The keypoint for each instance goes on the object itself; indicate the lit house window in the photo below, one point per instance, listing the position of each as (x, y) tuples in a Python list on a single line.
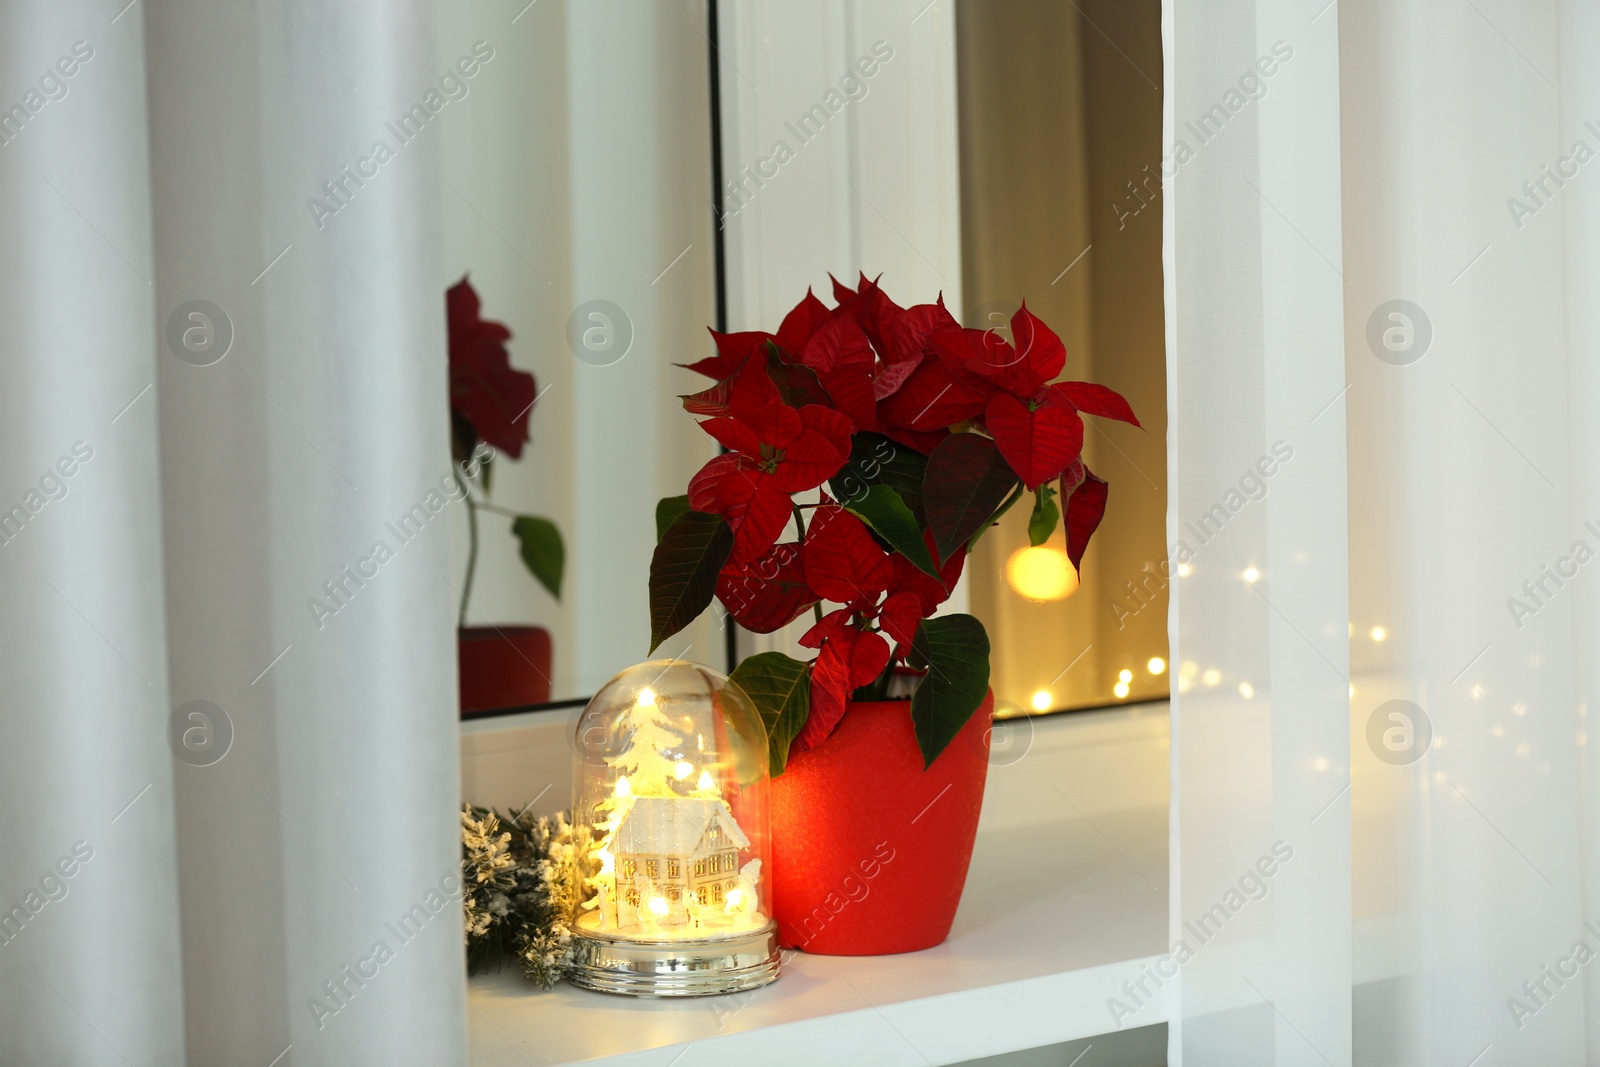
[(672, 868), (650, 868)]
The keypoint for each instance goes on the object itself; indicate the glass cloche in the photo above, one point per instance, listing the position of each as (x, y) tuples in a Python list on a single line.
[(670, 812)]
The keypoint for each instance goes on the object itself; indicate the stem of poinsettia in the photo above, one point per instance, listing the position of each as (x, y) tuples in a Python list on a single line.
[(800, 525), (472, 546)]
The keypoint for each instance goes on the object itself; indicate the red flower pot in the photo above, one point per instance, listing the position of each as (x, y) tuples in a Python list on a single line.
[(503, 667), (869, 851)]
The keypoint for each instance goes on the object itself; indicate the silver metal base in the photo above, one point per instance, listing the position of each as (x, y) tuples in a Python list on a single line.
[(685, 968)]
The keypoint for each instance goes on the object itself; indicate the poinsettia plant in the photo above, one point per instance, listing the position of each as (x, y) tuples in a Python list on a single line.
[(490, 404), (867, 447)]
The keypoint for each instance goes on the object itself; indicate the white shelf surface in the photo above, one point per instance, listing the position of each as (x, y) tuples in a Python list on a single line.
[(1066, 900)]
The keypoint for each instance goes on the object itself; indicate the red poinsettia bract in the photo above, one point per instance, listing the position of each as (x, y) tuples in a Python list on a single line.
[(773, 452), (486, 393)]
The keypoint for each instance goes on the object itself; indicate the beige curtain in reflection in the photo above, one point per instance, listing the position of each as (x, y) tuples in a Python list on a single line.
[(1061, 207), (215, 394)]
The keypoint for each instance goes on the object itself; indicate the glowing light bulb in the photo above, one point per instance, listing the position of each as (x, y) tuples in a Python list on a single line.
[(1042, 700), (706, 784), (1041, 574), (1211, 677), (607, 860), (1121, 689), (1251, 574), (658, 905), (1184, 570), (1157, 665), (1124, 675), (647, 698), (1380, 634), (1247, 690), (682, 769), (735, 900), (623, 788)]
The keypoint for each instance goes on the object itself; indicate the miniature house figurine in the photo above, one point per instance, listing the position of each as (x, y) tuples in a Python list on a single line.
[(670, 805), (681, 850)]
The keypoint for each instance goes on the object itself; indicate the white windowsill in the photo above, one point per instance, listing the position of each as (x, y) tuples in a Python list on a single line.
[(1065, 901)]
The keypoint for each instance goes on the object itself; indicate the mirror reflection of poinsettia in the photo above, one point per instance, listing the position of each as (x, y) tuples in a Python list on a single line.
[(882, 442), (490, 404)]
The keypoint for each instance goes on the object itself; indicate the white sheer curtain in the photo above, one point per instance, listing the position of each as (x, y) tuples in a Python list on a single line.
[(1423, 169), (213, 903)]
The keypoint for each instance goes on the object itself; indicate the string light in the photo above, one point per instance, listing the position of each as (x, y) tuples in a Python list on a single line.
[(1041, 573), (1157, 665), (1042, 700), (1251, 574)]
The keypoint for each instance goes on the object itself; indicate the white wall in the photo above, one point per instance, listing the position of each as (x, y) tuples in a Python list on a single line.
[(875, 189), (579, 169)]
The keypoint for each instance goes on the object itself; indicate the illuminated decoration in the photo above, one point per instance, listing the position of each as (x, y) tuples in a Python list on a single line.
[(1157, 665), (1380, 634), (670, 814), (1042, 700), (1042, 574), (1251, 574)]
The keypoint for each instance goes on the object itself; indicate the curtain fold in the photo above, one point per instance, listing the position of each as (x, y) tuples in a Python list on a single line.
[(1260, 920), (89, 945), (243, 258)]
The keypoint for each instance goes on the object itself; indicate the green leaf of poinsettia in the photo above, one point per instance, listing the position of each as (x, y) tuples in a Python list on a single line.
[(967, 479), (883, 509), (876, 460), (1046, 514), (780, 688), (955, 649), (542, 550), (683, 572), (668, 508)]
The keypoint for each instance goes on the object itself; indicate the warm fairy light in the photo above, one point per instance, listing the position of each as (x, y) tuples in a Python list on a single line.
[(1247, 690), (682, 769), (1184, 570), (1380, 634), (647, 697), (1042, 700), (658, 905), (1251, 574), (1124, 675), (1157, 665), (706, 784), (735, 900), (1211, 677), (608, 862), (1121, 689), (624, 790), (1042, 573)]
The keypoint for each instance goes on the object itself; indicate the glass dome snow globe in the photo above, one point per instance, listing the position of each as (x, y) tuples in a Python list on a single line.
[(670, 821)]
